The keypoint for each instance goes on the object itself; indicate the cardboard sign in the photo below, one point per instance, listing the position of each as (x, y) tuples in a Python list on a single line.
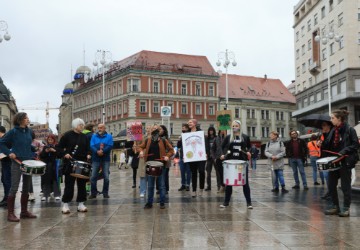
[(134, 131), (194, 146)]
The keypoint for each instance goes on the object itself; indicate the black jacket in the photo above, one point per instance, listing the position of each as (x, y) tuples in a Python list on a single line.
[(303, 149), (246, 145)]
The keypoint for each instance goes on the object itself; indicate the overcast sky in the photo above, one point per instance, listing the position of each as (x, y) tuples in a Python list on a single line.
[(48, 37)]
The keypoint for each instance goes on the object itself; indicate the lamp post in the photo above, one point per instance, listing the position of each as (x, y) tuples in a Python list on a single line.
[(226, 58), (4, 27), (103, 57), (325, 39)]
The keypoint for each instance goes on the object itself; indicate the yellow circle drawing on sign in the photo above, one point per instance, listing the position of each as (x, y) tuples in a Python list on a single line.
[(189, 154)]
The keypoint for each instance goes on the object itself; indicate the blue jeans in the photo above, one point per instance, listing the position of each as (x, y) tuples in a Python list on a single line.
[(313, 160), (6, 177), (185, 173), (298, 165), (279, 177), (253, 163), (94, 177), (143, 182), (325, 175), (151, 187)]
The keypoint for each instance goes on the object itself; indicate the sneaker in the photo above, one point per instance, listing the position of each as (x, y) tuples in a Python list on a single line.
[(284, 191), (334, 210), (201, 192), (224, 205), (106, 196), (306, 188), (326, 196), (92, 196), (187, 188), (316, 183), (182, 188), (43, 198), (275, 190), (142, 195), (41, 193), (162, 205), (249, 206), (65, 209), (222, 189), (31, 197), (57, 198), (81, 207), (208, 189), (193, 194), (345, 212), (296, 187), (148, 206)]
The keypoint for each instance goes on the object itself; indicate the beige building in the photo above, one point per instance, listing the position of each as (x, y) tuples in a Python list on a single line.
[(313, 62), (7, 106), (261, 104)]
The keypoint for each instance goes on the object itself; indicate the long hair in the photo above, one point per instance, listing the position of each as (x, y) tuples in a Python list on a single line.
[(213, 130), (231, 131), (340, 114), (166, 133)]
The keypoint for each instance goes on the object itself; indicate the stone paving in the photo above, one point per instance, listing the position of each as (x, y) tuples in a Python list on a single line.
[(278, 221)]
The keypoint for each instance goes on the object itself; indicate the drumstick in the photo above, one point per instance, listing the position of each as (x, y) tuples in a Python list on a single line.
[(334, 153), (18, 161)]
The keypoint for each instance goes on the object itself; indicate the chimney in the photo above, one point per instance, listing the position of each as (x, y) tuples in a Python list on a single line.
[(265, 76)]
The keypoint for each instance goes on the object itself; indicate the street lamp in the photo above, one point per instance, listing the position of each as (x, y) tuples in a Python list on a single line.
[(226, 58), (325, 38), (4, 27), (103, 57)]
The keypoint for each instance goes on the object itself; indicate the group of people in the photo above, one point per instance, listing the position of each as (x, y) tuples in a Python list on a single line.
[(93, 148)]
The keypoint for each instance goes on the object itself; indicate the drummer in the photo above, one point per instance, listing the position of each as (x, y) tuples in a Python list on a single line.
[(342, 141), (156, 149), (74, 145), (19, 140), (236, 146)]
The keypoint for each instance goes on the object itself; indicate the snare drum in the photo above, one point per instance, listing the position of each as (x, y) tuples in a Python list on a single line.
[(328, 164), (81, 169), (33, 167), (234, 172), (154, 168)]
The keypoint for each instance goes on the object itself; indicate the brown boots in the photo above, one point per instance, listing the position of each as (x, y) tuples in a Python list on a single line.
[(25, 214)]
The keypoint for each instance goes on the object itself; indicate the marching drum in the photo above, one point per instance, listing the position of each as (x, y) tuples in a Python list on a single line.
[(234, 172), (154, 168), (81, 169), (33, 167), (328, 164)]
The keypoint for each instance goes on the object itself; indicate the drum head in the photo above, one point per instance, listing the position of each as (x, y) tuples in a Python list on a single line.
[(235, 162), (326, 159), (154, 163), (34, 163)]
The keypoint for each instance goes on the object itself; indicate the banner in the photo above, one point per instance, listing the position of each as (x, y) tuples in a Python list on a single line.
[(134, 131), (194, 146), (224, 119)]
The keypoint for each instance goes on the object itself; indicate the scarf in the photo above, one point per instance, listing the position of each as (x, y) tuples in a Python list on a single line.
[(337, 135)]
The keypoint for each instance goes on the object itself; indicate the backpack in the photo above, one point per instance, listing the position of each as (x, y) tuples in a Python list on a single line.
[(281, 144)]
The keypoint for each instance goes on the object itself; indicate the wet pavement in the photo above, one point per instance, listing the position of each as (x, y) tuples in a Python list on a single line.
[(278, 221)]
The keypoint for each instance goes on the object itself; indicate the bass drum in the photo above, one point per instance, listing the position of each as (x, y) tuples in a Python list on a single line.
[(81, 169), (234, 172), (154, 168), (33, 167)]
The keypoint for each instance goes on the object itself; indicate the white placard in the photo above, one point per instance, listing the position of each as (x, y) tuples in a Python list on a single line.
[(194, 146)]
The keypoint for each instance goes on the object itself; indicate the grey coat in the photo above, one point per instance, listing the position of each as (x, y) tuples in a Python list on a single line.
[(275, 148)]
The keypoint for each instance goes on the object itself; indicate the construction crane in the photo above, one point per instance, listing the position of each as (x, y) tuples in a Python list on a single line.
[(47, 109)]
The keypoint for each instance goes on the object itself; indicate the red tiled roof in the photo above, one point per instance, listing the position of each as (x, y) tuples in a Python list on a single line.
[(250, 87), (172, 62)]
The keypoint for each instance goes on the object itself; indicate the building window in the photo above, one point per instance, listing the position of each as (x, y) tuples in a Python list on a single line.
[(324, 74), (315, 19), (297, 54), (119, 109), (198, 109), (309, 25), (310, 81), (183, 89), (302, 30), (156, 87), (125, 108), (340, 19), (306, 102), (211, 90), (142, 106), (357, 85), (334, 90), (303, 68), (341, 42), (298, 71), (279, 115), (303, 49), (331, 5), (170, 86), (184, 109), (323, 54), (332, 69), (198, 89), (211, 110), (323, 14), (265, 131), (281, 131), (120, 90), (250, 113), (251, 131), (171, 105), (309, 44), (326, 94), (343, 87), (297, 36), (133, 85), (341, 65), (156, 107), (312, 99), (265, 114), (318, 96), (237, 112)]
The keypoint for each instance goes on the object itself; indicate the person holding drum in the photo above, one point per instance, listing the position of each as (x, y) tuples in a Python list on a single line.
[(101, 145), (50, 179), (73, 147), (19, 140), (342, 142), (236, 146), (275, 151), (156, 152)]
